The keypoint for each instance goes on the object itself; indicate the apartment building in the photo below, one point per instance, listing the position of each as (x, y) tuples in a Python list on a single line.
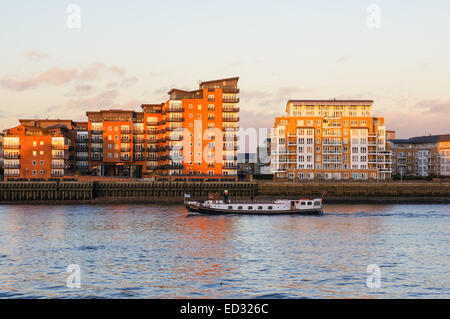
[(38, 149), (421, 156), (194, 133), (2, 135), (331, 140)]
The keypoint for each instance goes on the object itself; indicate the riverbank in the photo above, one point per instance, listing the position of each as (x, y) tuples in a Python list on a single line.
[(173, 192)]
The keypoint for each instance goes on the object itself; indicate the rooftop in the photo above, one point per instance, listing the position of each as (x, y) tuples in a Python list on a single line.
[(423, 139)]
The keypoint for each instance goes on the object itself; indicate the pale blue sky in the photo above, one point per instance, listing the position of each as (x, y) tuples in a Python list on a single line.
[(280, 49)]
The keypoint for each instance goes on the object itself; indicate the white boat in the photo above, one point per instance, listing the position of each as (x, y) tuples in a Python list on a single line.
[(255, 207)]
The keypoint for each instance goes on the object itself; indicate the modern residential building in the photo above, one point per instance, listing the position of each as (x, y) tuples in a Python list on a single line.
[(38, 149), (330, 139), (194, 133), (2, 135), (421, 156), (247, 163), (263, 158)]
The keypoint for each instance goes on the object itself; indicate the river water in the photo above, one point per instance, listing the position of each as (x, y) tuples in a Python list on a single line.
[(155, 251)]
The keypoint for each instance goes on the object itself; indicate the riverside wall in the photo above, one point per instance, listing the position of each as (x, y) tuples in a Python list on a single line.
[(171, 192)]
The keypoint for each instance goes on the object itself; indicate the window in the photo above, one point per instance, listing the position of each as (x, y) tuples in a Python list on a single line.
[(199, 107), (34, 143), (230, 207), (260, 207), (41, 143), (239, 207), (41, 172), (34, 153), (250, 207), (41, 153), (34, 172), (269, 208), (41, 162), (109, 128), (34, 163)]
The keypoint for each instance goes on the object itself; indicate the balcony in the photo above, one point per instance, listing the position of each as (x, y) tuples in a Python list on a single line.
[(97, 149), (230, 109), (175, 119), (11, 146), (59, 166), (138, 132), (230, 119), (171, 129), (125, 158), (227, 89), (60, 156), (231, 100), (230, 158), (152, 167), (125, 131), (96, 132), (97, 158), (231, 129), (139, 157), (174, 109), (12, 166), (11, 156), (125, 140), (176, 138), (60, 147)]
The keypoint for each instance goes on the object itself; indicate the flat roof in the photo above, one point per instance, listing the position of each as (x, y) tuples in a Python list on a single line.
[(220, 80), (423, 139), (330, 101)]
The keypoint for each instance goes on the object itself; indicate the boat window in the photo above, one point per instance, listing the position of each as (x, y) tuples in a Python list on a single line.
[(240, 207), (230, 207), (250, 207), (309, 203), (303, 203), (270, 207), (317, 203), (260, 207)]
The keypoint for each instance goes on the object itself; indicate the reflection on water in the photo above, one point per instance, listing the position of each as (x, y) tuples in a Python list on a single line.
[(151, 251)]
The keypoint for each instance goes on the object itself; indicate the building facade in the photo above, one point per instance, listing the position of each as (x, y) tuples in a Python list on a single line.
[(330, 140), (421, 156), (194, 133), (39, 149)]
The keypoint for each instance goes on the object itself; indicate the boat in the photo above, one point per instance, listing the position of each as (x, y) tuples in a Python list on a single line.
[(252, 207)]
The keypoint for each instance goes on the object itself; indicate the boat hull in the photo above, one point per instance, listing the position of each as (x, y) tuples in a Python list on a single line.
[(196, 210)]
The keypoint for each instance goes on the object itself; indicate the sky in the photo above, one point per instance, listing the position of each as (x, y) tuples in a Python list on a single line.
[(125, 53)]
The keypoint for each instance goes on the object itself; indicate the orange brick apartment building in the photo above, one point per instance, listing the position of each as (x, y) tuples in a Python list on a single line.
[(329, 139), (194, 133), (421, 155)]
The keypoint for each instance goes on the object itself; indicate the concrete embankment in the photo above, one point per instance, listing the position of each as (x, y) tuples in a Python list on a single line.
[(173, 192)]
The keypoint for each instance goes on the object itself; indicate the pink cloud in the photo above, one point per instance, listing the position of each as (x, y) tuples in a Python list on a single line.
[(36, 56), (97, 69), (54, 76), (428, 117)]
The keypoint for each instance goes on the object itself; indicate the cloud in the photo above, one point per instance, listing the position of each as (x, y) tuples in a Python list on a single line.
[(103, 99), (60, 76), (434, 106), (36, 56), (98, 69), (127, 82), (427, 117), (81, 90), (53, 76)]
